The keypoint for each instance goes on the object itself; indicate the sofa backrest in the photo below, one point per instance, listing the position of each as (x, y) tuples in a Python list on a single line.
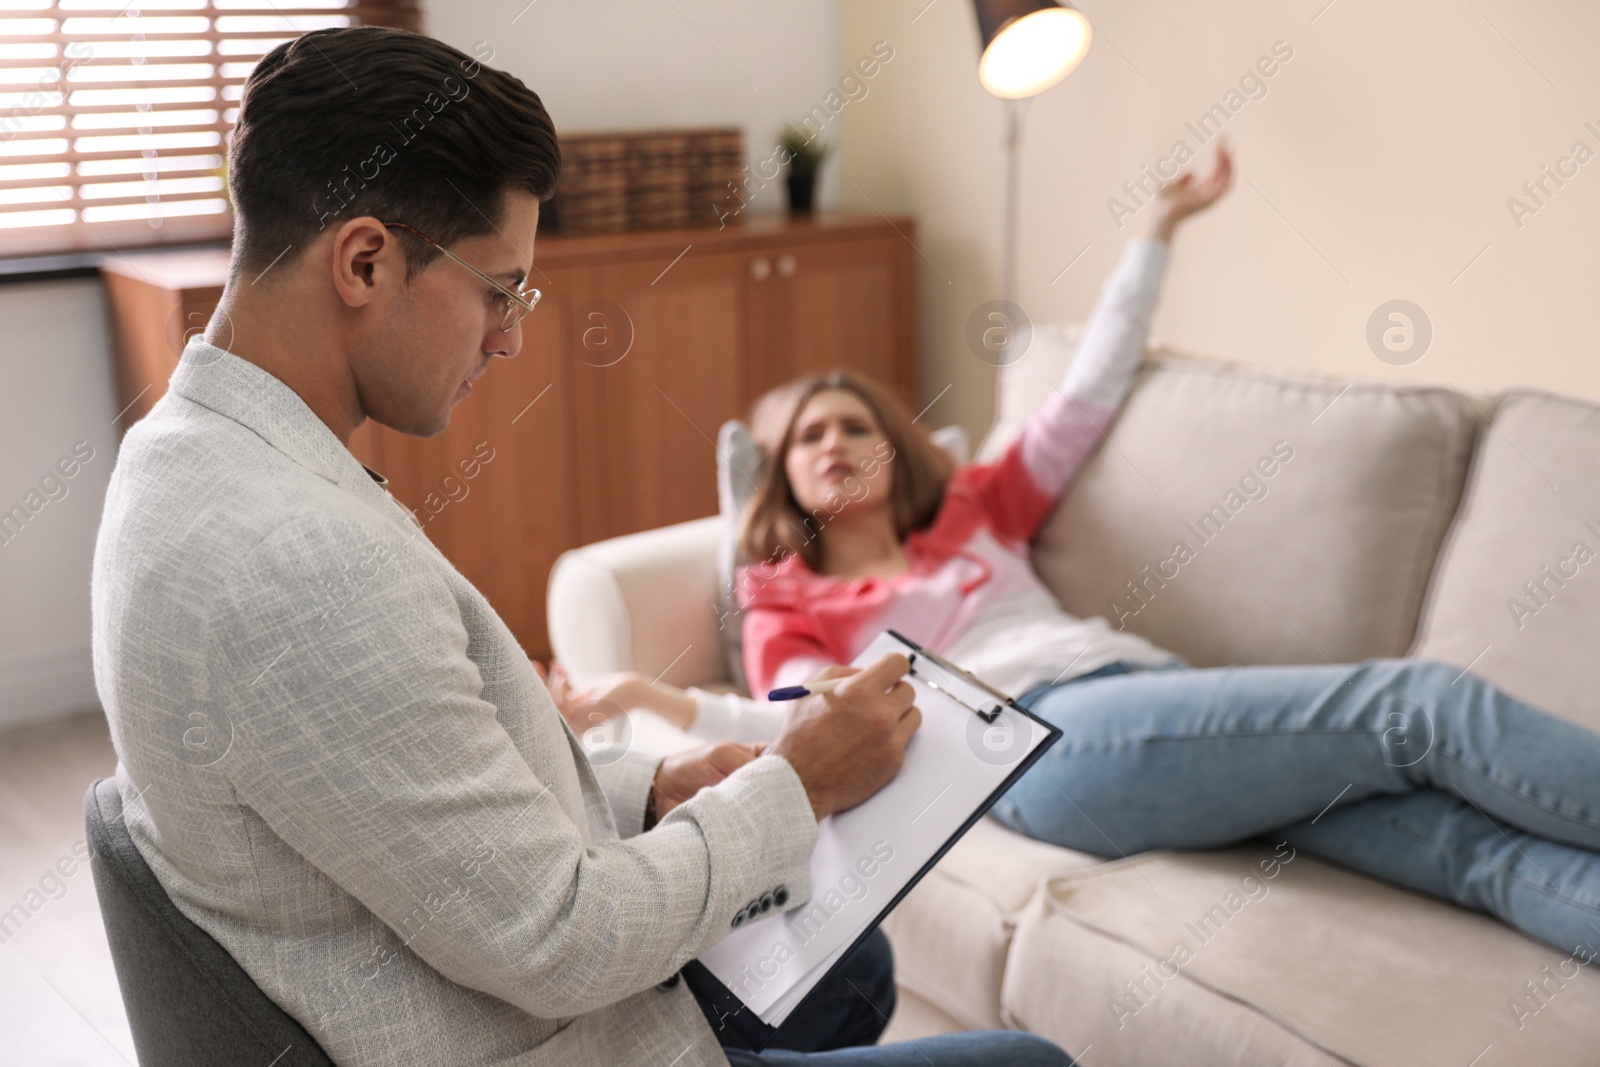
[(1517, 589), (1235, 515)]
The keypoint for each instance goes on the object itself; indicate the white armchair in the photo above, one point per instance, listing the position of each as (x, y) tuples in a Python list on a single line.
[(644, 602)]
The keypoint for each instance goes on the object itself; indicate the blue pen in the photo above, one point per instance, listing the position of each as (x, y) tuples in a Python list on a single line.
[(795, 692)]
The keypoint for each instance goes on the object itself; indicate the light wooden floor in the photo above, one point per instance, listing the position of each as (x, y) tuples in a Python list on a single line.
[(59, 1002)]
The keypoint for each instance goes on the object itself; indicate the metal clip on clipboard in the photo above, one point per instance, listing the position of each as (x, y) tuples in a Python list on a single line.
[(988, 712)]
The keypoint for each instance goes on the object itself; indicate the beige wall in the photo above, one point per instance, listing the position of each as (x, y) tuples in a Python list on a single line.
[(645, 63), (1377, 165)]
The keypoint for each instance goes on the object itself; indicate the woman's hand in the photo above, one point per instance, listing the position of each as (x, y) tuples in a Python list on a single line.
[(1186, 195), (560, 689), (615, 694)]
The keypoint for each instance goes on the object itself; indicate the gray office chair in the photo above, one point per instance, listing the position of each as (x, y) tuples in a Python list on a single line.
[(189, 1002)]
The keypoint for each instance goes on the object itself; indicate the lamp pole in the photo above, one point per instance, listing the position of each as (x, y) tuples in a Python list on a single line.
[(1015, 110), (1026, 47)]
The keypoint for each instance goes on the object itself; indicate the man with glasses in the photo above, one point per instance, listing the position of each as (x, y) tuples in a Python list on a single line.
[(515, 303), (332, 752)]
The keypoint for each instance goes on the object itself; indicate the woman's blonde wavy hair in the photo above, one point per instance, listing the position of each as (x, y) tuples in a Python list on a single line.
[(775, 527)]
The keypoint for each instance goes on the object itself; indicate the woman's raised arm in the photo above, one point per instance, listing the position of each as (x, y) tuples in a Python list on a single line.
[(1112, 345), (1018, 490)]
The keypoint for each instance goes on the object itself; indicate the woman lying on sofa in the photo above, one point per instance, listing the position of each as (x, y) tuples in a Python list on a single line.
[(1410, 771)]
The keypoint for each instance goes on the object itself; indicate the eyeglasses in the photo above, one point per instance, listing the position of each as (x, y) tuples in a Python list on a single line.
[(518, 302)]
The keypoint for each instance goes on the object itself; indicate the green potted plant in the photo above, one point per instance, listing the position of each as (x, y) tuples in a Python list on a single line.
[(805, 156)]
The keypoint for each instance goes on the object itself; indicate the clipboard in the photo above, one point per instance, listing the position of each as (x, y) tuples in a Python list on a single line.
[(974, 739)]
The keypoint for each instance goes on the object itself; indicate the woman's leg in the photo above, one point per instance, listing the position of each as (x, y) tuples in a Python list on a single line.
[(1355, 764), (1436, 844), (1199, 758)]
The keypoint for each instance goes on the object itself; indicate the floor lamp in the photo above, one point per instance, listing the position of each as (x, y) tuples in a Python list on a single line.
[(1028, 46)]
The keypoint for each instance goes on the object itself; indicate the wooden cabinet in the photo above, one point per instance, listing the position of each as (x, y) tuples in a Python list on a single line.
[(646, 424), (606, 423), (818, 306), (158, 300)]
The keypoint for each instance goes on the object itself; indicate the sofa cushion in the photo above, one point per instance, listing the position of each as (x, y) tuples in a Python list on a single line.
[(952, 932), (1240, 516), (1517, 589), (1300, 962)]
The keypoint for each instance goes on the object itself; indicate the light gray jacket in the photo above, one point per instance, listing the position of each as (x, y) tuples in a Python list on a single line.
[(339, 762)]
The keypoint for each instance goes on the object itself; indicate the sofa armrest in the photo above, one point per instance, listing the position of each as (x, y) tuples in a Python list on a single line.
[(642, 602)]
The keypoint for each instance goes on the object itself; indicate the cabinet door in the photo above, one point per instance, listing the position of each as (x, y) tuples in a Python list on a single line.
[(492, 490), (655, 366), (814, 307)]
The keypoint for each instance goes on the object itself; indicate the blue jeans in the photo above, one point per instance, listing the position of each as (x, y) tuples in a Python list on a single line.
[(838, 1026), (1410, 771)]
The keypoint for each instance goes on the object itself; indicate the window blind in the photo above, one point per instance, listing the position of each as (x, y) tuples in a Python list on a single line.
[(115, 117)]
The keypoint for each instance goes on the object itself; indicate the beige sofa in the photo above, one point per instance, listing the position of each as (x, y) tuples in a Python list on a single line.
[(1406, 522)]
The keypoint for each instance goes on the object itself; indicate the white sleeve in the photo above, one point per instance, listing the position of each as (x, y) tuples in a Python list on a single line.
[(1112, 345), (730, 717)]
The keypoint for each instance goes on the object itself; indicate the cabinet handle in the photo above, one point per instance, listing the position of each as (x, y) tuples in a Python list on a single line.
[(786, 265), (760, 268)]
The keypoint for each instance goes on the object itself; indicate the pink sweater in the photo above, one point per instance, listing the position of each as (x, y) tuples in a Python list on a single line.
[(969, 591)]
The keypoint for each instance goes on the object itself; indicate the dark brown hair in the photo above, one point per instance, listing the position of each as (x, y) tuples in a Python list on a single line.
[(374, 121), (773, 524)]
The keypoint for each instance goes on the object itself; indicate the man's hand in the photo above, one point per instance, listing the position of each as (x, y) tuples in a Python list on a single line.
[(848, 744), (683, 774)]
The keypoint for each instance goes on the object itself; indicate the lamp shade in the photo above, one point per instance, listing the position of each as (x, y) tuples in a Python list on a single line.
[(1028, 45)]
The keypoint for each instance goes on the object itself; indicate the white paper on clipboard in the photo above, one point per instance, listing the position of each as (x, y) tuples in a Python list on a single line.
[(865, 856)]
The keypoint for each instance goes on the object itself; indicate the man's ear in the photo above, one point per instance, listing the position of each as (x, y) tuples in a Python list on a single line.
[(366, 257)]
